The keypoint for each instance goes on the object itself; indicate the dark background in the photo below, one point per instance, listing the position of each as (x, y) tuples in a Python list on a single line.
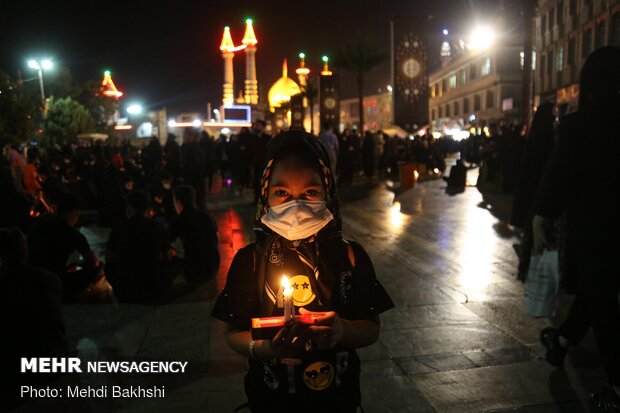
[(165, 53)]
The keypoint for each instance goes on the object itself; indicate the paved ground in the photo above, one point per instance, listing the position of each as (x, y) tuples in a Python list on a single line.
[(457, 341)]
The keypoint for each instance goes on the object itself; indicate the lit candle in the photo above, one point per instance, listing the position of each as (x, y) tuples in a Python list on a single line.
[(287, 298)]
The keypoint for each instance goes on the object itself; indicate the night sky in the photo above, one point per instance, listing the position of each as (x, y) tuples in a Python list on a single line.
[(164, 53)]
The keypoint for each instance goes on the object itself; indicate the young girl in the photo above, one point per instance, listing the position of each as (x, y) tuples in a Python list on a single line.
[(298, 233)]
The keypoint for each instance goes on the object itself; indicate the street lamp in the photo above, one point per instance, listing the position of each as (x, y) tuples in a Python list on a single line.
[(46, 64), (134, 109), (481, 38)]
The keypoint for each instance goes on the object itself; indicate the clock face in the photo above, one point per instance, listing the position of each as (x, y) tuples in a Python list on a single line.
[(411, 68), (330, 103)]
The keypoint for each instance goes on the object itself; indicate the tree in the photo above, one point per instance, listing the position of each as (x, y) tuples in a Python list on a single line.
[(310, 92), (67, 118), (359, 58), (99, 106), (17, 109)]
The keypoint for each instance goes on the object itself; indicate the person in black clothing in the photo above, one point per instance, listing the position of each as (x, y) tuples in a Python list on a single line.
[(537, 152), (261, 141), (172, 156), (584, 185), (298, 230), (369, 150), (14, 207), (208, 147), (198, 232), (53, 239), (246, 152), (346, 158), (32, 322), (457, 179), (137, 254), (151, 159), (194, 164)]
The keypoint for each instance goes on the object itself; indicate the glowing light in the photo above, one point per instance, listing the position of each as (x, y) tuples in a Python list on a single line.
[(458, 134), (389, 88), (47, 64), (302, 70), (436, 135), (108, 86), (326, 71), (472, 117), (416, 175), (436, 170), (396, 217), (172, 123), (249, 38), (227, 44), (481, 38), (225, 130), (196, 123), (33, 64), (486, 131), (134, 109), (476, 253), (122, 127), (445, 32)]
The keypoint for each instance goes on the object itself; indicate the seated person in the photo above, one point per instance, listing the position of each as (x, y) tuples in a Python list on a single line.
[(54, 238), (137, 254), (33, 323), (458, 178), (198, 233)]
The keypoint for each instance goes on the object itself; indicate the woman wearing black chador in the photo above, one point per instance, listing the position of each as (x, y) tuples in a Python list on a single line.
[(582, 180)]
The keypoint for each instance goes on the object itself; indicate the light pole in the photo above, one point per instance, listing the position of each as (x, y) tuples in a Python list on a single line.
[(46, 64)]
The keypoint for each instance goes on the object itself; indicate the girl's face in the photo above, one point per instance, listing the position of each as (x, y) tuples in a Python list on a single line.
[(290, 181)]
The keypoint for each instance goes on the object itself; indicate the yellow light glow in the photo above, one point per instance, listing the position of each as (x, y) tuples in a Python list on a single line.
[(287, 290), (227, 44), (396, 217), (416, 175), (477, 243), (249, 38), (122, 127), (481, 38), (326, 71), (109, 87)]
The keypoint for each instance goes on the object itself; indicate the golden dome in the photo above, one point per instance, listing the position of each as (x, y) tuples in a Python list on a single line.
[(282, 89)]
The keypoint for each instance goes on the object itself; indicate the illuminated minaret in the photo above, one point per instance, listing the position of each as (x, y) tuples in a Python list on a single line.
[(251, 84), (302, 71), (227, 47)]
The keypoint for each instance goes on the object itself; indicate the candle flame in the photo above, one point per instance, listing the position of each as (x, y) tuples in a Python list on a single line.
[(286, 286)]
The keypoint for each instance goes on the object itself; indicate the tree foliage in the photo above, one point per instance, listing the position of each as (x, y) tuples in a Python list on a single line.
[(67, 118), (17, 109), (21, 111), (359, 58)]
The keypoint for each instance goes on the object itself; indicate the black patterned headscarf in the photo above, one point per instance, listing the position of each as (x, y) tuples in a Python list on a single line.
[(287, 144)]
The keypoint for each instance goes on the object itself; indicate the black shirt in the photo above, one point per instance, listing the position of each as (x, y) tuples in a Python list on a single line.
[(198, 232), (52, 240), (136, 249)]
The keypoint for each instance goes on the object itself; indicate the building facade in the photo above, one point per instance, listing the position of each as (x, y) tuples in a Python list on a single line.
[(477, 87), (565, 32)]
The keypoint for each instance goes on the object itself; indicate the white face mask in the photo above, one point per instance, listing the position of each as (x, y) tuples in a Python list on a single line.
[(297, 219)]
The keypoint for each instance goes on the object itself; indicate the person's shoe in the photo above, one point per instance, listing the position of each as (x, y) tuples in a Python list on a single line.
[(549, 337), (605, 400)]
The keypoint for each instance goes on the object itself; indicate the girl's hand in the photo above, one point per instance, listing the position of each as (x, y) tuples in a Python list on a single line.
[(327, 331), (289, 341)]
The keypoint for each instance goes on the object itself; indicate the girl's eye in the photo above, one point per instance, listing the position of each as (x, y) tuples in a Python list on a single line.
[(312, 192), (280, 192)]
